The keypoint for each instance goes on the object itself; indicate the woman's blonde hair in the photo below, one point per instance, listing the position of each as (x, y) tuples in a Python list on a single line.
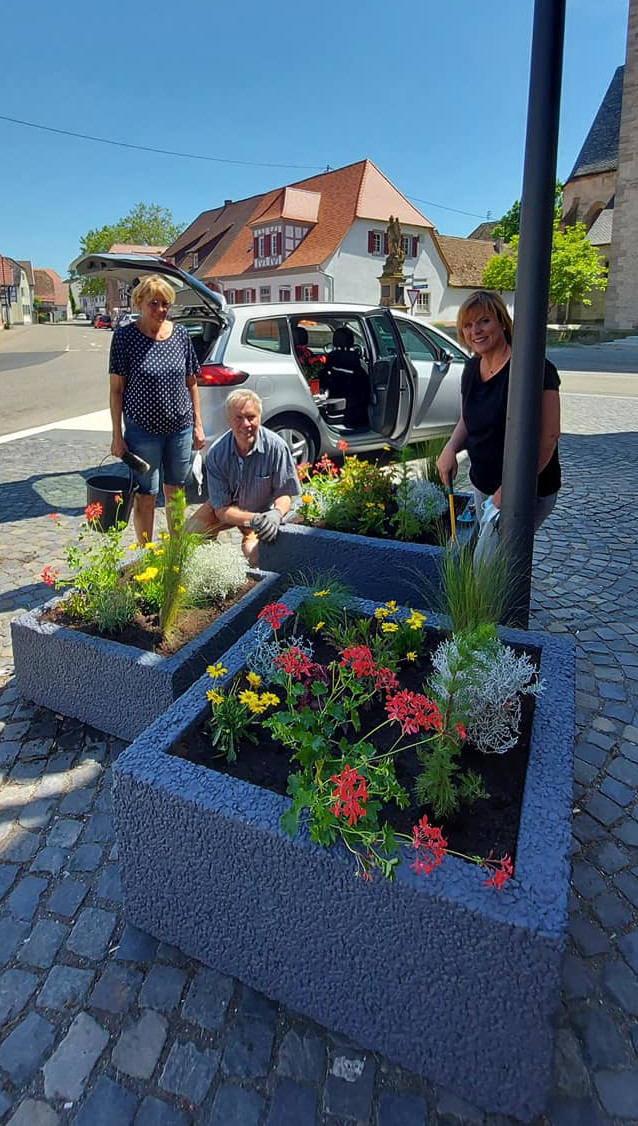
[(489, 302), (152, 286)]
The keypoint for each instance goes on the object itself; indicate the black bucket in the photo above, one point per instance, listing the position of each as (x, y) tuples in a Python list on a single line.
[(103, 488)]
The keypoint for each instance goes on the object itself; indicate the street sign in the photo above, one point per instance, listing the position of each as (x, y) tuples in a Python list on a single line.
[(413, 296)]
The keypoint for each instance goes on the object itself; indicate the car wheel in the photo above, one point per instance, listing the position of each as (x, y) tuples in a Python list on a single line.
[(298, 434)]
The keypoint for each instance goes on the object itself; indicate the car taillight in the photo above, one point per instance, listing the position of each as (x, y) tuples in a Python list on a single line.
[(218, 375)]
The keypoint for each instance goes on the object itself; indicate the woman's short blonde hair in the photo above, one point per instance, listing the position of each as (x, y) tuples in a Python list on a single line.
[(152, 286), (488, 302)]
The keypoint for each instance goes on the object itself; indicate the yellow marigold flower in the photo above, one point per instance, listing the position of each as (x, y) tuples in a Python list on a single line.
[(416, 620), (150, 546), (321, 593), (306, 498), (253, 679), (159, 551), (381, 506), (181, 590), (176, 570), (133, 546), (318, 626), (249, 699), (213, 696), (143, 576), (411, 656), (387, 449), (389, 627), (216, 670), (268, 699), (164, 536), (391, 605), (381, 612)]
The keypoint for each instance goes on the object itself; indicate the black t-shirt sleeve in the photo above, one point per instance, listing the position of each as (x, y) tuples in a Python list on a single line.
[(118, 362), (551, 378)]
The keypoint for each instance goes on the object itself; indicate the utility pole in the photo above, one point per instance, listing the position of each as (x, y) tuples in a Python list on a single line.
[(520, 466)]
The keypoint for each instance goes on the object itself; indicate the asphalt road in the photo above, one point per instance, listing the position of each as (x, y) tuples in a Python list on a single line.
[(49, 373), (52, 372)]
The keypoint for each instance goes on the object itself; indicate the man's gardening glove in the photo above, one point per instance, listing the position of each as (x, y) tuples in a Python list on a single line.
[(266, 524)]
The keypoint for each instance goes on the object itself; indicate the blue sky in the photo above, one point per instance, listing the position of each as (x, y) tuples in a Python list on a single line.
[(434, 93)]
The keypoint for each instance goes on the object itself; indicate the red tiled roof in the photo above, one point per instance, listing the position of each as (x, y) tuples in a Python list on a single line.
[(357, 191), (6, 271), (466, 259), (49, 287)]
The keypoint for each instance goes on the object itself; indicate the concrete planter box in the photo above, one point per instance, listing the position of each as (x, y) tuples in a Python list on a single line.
[(447, 978), (377, 569), (118, 688)]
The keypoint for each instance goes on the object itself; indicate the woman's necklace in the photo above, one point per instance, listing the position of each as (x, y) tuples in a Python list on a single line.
[(491, 369)]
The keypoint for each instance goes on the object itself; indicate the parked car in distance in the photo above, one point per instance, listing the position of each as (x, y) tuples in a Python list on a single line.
[(81, 316), (102, 321), (410, 371), (125, 318)]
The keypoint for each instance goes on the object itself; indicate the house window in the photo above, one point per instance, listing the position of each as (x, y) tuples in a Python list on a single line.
[(423, 302), (195, 259), (284, 293), (261, 249), (264, 293), (376, 242), (306, 293), (230, 297)]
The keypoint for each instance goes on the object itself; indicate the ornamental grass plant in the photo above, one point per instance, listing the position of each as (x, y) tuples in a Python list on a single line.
[(471, 592), (343, 720)]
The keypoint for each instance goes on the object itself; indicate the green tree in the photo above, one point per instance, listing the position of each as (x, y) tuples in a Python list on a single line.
[(147, 224), (509, 224), (576, 267)]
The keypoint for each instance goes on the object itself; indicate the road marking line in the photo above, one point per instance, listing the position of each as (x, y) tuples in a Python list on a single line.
[(97, 421)]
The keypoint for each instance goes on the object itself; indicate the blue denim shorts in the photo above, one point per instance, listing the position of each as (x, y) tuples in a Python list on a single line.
[(167, 454)]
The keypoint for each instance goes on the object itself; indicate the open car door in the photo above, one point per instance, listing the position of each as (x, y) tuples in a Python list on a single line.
[(192, 297), (392, 380)]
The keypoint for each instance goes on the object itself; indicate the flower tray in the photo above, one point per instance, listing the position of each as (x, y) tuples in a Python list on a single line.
[(118, 688), (448, 978), (367, 563)]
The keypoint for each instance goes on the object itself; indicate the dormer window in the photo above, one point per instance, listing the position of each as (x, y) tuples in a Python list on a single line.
[(267, 247)]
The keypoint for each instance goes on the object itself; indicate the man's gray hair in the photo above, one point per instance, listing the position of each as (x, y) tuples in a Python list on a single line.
[(240, 396)]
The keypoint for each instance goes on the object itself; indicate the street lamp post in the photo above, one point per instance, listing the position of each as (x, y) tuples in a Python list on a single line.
[(520, 466)]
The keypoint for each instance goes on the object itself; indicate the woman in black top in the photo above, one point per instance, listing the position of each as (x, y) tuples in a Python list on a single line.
[(153, 377), (485, 326)]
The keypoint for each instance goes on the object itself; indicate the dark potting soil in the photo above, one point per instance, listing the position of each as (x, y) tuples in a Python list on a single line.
[(143, 630), (489, 824), (438, 533)]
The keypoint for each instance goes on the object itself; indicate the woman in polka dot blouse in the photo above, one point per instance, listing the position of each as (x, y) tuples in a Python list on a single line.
[(153, 394)]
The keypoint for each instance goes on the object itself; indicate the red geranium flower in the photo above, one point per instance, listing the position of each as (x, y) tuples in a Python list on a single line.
[(412, 711), (49, 576), (461, 732), (294, 662), (429, 842), (349, 795), (53, 515), (93, 511), (275, 613), (359, 658), (342, 444), (501, 871)]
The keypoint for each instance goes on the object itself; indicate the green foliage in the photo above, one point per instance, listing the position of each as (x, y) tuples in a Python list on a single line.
[(509, 223), (231, 716), (213, 572), (327, 604), (404, 522), (147, 224), (161, 581), (576, 267), (471, 593), (426, 454), (102, 595)]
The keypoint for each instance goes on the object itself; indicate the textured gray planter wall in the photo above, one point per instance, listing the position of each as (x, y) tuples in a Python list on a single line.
[(449, 979), (118, 688), (377, 569)]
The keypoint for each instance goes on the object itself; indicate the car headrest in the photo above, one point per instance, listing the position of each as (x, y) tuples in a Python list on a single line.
[(299, 335), (343, 337)]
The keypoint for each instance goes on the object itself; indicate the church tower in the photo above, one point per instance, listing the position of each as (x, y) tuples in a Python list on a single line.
[(621, 306)]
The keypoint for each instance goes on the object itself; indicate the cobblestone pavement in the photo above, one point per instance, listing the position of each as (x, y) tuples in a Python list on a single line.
[(104, 1025)]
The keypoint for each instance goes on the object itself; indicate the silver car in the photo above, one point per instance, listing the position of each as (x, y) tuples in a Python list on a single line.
[(405, 376)]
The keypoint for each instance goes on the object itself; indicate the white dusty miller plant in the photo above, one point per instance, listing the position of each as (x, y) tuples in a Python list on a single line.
[(214, 571), (487, 689), (426, 500)]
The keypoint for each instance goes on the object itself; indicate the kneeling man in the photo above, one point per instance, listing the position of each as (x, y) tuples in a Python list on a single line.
[(251, 478)]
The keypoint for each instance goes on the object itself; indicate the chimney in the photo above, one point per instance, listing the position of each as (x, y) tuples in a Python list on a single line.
[(227, 201)]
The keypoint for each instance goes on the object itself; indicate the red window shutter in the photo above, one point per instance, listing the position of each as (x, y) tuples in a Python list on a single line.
[(385, 244), (239, 296), (267, 244), (415, 245), (256, 247), (315, 293), (253, 295), (298, 293), (278, 237), (370, 242)]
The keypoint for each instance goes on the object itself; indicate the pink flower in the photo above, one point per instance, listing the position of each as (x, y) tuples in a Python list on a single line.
[(501, 871), (342, 444), (49, 575), (53, 515), (294, 662), (93, 511), (413, 711)]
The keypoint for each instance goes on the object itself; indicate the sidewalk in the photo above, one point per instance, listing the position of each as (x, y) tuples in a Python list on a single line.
[(103, 1025)]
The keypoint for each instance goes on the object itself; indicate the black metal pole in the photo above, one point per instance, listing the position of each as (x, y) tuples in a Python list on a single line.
[(520, 467)]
